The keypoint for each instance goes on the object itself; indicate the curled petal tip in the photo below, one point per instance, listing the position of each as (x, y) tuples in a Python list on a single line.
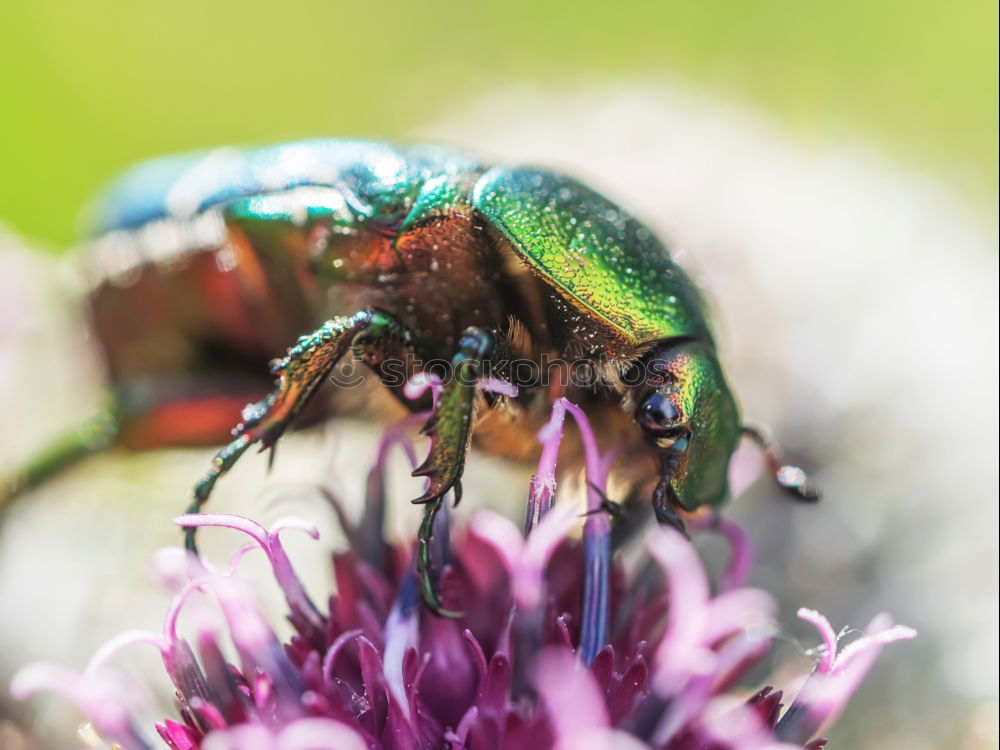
[(298, 523)]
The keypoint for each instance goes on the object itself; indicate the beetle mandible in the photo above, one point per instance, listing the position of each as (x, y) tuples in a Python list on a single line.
[(207, 265)]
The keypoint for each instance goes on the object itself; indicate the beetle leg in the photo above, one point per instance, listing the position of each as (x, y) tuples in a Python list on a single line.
[(791, 479), (450, 431), (450, 427), (298, 375), (665, 502), (667, 515), (425, 557), (609, 506), (93, 435)]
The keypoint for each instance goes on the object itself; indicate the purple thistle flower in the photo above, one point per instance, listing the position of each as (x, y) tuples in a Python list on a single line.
[(558, 645)]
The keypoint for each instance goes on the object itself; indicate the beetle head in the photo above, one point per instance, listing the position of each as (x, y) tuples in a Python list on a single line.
[(684, 408)]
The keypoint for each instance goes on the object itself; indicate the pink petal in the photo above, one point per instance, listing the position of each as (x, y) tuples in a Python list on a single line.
[(740, 549), (496, 385), (591, 454), (402, 633), (243, 737), (417, 385), (681, 654), (879, 637), (122, 641), (746, 465), (573, 702), (169, 568), (544, 540), (741, 727), (829, 637), (737, 610), (173, 614), (177, 735), (330, 657), (293, 522), (395, 435), (825, 694), (542, 491), (237, 557), (525, 560), (601, 739), (227, 520), (319, 734), (500, 534), (270, 542), (94, 694)]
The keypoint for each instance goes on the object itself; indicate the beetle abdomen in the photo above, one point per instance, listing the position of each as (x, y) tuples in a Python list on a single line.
[(169, 207), (181, 186)]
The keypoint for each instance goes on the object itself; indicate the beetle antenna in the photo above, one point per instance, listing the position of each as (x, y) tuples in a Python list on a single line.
[(790, 478)]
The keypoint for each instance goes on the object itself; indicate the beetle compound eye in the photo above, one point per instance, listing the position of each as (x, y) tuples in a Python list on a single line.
[(657, 415)]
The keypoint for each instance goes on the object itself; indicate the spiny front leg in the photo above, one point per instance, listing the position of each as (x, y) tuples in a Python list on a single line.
[(450, 427), (450, 431), (299, 374)]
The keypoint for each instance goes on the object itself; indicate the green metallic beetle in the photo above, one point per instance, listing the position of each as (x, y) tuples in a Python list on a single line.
[(207, 265)]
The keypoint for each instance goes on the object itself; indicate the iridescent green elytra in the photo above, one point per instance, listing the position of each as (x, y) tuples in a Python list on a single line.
[(598, 256), (206, 266), (611, 269)]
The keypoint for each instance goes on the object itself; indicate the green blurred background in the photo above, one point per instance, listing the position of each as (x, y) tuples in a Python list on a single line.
[(87, 88)]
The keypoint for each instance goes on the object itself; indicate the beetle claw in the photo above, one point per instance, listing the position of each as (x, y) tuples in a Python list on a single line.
[(425, 562), (440, 477), (671, 518), (666, 505), (791, 479)]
